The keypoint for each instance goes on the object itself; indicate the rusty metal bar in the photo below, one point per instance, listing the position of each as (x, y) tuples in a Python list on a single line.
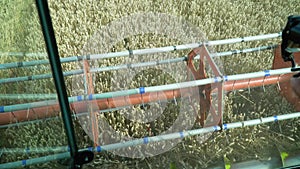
[(91, 104)]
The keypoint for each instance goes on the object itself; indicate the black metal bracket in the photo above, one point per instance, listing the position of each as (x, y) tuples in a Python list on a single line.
[(290, 36), (77, 158)]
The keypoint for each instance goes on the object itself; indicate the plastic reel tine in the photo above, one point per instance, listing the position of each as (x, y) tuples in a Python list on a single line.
[(233, 91), (175, 101), (279, 125), (278, 85), (249, 89), (227, 140), (233, 85), (263, 85), (27, 114), (74, 115)]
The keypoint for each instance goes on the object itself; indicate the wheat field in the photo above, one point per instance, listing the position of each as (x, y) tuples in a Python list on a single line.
[(75, 22)]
